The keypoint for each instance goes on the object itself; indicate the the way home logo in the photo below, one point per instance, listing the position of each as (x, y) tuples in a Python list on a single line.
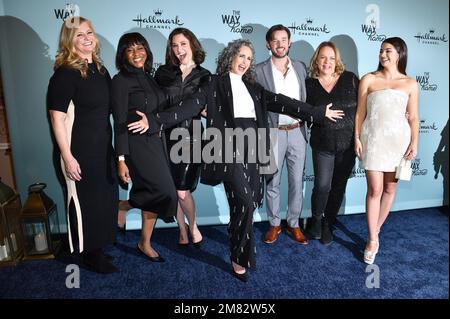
[(424, 82), (358, 172), (426, 127), (71, 10), (416, 170), (370, 31), (308, 178), (157, 20), (431, 37), (308, 28), (233, 21)]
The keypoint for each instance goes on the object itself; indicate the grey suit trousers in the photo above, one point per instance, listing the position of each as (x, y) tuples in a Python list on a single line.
[(291, 150)]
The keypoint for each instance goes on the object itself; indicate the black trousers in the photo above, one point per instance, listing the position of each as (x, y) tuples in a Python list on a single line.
[(244, 194), (331, 173)]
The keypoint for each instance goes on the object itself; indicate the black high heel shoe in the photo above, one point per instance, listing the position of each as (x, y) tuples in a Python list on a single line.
[(158, 259), (242, 277), (121, 229), (199, 243), (185, 245)]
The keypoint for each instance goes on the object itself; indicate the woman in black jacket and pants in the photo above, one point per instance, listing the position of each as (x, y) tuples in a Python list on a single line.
[(234, 100)]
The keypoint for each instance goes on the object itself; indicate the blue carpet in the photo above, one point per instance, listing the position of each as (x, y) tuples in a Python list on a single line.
[(413, 263)]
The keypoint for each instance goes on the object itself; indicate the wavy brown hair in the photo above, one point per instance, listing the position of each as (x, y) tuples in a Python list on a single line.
[(198, 54), (314, 68), (67, 55)]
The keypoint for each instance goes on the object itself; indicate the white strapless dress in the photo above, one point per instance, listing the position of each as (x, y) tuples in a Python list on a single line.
[(385, 132)]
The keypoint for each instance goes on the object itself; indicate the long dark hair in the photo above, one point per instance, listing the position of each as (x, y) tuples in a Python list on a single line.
[(198, 54), (402, 50), (127, 40)]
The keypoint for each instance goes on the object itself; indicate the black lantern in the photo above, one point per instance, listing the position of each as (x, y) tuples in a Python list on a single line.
[(40, 225), (11, 244)]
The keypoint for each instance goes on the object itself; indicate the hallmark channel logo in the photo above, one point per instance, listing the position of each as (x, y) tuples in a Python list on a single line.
[(425, 127), (308, 28), (358, 172), (157, 21), (416, 170), (234, 23), (431, 37), (424, 82), (70, 10), (370, 30)]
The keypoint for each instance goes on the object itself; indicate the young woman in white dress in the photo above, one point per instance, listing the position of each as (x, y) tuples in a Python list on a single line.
[(386, 130)]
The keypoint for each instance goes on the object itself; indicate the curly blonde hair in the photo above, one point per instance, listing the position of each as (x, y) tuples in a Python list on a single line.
[(67, 55), (314, 68)]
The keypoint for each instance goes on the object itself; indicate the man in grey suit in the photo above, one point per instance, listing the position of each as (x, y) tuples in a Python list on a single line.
[(280, 74)]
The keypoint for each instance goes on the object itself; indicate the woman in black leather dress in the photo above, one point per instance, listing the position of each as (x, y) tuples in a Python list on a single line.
[(179, 78)]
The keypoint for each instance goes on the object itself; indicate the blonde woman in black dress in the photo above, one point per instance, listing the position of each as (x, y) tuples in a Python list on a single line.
[(79, 107)]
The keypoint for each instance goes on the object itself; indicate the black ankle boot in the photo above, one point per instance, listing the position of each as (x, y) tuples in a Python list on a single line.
[(98, 262), (327, 234), (314, 228)]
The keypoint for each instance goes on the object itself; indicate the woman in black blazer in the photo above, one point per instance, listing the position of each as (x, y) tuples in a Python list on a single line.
[(234, 100)]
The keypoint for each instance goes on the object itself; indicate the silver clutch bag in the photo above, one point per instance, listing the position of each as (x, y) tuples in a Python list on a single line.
[(403, 171)]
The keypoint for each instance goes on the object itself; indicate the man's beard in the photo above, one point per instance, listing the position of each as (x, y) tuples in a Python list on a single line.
[(275, 54)]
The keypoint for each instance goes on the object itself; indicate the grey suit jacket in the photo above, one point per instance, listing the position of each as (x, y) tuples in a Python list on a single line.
[(264, 76)]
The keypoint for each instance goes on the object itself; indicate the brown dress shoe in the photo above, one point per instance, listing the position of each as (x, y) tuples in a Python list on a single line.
[(297, 235), (272, 234)]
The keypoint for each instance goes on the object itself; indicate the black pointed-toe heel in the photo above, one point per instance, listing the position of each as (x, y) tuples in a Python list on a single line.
[(242, 277), (158, 259), (121, 229), (185, 245), (198, 244)]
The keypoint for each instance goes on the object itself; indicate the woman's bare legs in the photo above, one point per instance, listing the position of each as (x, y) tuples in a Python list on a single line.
[(148, 223), (184, 237), (373, 203), (381, 188), (124, 207), (387, 199), (186, 207)]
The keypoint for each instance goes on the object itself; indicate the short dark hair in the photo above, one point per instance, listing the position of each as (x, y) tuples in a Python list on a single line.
[(198, 54), (402, 50), (277, 27), (127, 40)]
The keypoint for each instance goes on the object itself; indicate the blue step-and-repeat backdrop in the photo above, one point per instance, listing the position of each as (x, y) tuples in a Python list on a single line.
[(28, 44)]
